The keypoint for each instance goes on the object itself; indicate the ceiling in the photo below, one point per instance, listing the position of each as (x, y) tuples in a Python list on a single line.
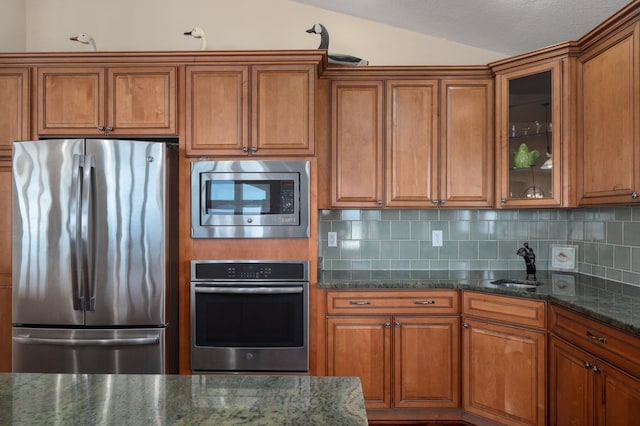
[(509, 27)]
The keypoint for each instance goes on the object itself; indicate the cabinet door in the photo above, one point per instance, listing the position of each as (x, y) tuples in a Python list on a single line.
[(608, 140), (5, 266), (466, 143), (142, 101), (570, 385), (356, 144), (71, 101), (530, 163), (504, 372), (426, 361), (283, 109), (411, 143), (217, 110), (620, 394), (14, 107), (361, 346)]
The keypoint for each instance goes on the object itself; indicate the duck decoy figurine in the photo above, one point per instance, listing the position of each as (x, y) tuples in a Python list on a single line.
[(198, 32), (334, 58), (85, 39)]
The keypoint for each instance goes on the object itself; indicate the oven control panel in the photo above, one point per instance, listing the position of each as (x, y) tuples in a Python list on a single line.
[(223, 270)]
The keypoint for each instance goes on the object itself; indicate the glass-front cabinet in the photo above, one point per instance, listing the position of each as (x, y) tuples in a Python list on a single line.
[(528, 150)]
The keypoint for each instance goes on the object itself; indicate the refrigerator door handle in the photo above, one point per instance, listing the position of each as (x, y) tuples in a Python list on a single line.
[(88, 166), (135, 341), (77, 287)]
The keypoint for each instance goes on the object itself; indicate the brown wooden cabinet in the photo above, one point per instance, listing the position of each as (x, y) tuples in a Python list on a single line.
[(5, 265), (608, 126), (113, 101), (504, 358), (584, 386), (387, 149), (402, 344), (259, 109), (14, 107), (533, 107)]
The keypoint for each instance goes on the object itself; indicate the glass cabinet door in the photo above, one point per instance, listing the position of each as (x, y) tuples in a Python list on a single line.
[(530, 112)]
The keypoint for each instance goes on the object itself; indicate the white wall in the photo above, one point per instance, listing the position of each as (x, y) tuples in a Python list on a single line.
[(130, 25), (12, 26)]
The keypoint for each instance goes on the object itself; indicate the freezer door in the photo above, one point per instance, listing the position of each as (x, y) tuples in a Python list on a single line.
[(88, 351), (46, 288), (127, 233)]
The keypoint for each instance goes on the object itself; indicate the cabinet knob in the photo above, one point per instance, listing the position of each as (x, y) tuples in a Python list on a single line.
[(443, 202), (245, 149), (634, 195), (379, 202), (254, 149), (398, 324), (503, 200), (109, 129), (465, 325), (101, 128), (435, 202), (387, 324)]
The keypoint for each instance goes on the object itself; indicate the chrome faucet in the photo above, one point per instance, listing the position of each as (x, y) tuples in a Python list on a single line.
[(529, 259)]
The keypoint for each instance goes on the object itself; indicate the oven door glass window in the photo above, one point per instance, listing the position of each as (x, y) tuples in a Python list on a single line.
[(249, 320)]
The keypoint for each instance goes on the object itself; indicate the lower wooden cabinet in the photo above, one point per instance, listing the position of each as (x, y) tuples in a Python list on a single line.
[(5, 265), (504, 358), (403, 361), (585, 389)]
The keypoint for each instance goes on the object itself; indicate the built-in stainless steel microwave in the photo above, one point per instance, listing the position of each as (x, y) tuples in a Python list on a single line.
[(250, 199)]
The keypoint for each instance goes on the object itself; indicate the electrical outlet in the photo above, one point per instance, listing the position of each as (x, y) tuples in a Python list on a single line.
[(436, 238), (332, 239)]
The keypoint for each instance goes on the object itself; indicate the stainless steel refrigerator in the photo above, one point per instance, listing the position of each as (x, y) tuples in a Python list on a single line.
[(93, 266)]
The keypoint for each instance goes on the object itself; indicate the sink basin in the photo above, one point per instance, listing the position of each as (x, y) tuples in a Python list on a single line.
[(510, 283)]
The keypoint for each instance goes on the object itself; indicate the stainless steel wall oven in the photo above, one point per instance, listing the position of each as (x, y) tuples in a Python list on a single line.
[(249, 316)]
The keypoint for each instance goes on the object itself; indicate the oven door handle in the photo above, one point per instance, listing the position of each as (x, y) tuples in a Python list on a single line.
[(251, 290)]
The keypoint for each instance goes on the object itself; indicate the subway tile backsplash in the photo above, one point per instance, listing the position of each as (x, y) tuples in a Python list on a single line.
[(608, 239)]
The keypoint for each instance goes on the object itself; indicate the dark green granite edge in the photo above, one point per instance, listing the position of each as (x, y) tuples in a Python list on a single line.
[(615, 304)]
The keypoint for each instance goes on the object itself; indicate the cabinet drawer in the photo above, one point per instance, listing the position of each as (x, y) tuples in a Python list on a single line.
[(504, 308), (616, 346), (392, 302)]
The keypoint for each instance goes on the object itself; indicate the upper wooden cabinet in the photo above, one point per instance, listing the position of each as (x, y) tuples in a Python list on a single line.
[(387, 149), (251, 109), (14, 107), (534, 155), (130, 101), (608, 121)]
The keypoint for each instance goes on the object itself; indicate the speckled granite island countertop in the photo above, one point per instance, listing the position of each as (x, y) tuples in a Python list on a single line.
[(611, 302), (86, 399)]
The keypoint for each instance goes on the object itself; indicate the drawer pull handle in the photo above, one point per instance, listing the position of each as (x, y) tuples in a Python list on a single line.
[(359, 302), (424, 302), (599, 339)]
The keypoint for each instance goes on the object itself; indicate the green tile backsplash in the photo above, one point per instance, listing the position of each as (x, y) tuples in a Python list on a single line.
[(608, 239)]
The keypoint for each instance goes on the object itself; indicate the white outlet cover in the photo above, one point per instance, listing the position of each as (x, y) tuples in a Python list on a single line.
[(332, 239), (436, 238)]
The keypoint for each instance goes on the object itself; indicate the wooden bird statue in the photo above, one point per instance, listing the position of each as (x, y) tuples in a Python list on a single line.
[(85, 39), (334, 58), (198, 32)]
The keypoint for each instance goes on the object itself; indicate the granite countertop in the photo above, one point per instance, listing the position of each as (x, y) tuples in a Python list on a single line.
[(611, 302), (180, 400)]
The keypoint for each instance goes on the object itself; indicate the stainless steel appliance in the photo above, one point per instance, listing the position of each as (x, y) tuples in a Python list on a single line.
[(250, 199), (92, 263), (249, 316)]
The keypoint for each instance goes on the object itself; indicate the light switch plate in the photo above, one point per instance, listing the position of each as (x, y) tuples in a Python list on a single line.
[(332, 239), (436, 238)]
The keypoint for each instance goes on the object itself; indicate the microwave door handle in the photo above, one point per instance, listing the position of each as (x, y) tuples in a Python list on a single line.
[(77, 288), (85, 270), (250, 290)]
